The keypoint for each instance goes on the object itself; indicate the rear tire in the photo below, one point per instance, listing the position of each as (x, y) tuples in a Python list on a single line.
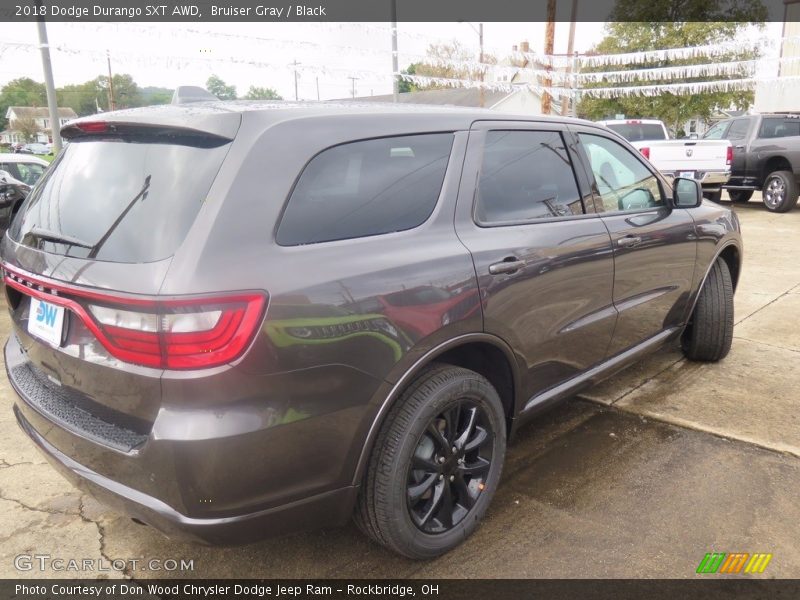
[(709, 334), (780, 191), (740, 196), (409, 456)]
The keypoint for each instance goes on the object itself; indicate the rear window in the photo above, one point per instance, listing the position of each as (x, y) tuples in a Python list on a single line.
[(779, 127), (639, 132), (118, 200), (366, 188)]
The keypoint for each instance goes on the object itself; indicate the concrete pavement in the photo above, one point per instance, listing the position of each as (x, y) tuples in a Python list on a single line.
[(639, 477)]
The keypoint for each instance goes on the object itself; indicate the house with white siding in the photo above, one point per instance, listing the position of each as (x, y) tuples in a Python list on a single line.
[(40, 116)]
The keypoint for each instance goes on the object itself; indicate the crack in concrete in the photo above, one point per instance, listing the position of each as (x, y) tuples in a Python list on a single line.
[(692, 426), (643, 383), (766, 344), (773, 301), (101, 533), (4, 464)]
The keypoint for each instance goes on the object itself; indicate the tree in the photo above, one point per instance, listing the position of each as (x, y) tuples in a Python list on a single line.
[(404, 85), (262, 93), (672, 24), (126, 92), (27, 127), (83, 98), (446, 61), (220, 89), (21, 92), (155, 95)]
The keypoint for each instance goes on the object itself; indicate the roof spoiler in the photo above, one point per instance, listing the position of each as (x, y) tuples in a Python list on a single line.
[(184, 94)]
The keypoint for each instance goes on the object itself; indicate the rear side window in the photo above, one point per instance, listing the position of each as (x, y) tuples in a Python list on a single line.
[(779, 127), (118, 201), (526, 175), (366, 188)]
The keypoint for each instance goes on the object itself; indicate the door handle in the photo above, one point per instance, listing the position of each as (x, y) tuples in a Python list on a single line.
[(629, 241), (739, 147), (509, 264)]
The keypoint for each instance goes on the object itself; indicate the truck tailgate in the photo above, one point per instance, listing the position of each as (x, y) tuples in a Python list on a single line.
[(689, 155)]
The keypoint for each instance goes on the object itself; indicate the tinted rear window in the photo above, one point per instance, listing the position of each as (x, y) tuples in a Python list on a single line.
[(639, 132), (118, 201), (366, 188), (779, 127)]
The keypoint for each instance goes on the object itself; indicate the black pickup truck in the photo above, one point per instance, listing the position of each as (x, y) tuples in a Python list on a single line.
[(766, 157)]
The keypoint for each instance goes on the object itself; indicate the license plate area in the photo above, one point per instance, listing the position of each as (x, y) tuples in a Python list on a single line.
[(46, 321), (687, 174)]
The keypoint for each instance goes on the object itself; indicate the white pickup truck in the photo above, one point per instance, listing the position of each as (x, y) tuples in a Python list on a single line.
[(708, 161)]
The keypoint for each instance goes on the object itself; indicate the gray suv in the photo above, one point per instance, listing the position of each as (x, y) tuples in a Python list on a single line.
[(240, 320)]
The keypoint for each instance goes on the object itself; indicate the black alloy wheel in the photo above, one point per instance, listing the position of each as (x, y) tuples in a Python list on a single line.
[(449, 467)]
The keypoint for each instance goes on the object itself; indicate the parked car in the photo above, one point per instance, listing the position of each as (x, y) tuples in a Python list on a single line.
[(12, 193), (766, 157), (36, 148), (27, 169), (354, 325), (708, 161)]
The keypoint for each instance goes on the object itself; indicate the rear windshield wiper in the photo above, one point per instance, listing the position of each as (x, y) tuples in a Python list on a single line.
[(59, 238)]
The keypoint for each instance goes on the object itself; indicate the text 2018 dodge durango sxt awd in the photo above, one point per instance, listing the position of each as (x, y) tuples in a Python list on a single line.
[(238, 320)]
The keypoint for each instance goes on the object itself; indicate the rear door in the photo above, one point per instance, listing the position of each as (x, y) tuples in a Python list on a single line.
[(654, 244), (542, 257)]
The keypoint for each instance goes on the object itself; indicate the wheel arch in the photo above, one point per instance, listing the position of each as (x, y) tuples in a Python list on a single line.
[(775, 163), (731, 253), (483, 353)]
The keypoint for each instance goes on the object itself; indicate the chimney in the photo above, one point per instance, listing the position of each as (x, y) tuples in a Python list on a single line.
[(524, 47)]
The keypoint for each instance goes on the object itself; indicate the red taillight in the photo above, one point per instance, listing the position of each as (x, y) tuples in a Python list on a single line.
[(645, 152), (93, 127), (175, 333), (729, 156)]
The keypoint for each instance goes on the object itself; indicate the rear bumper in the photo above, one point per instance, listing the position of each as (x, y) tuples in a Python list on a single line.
[(708, 179), (179, 486), (328, 509)]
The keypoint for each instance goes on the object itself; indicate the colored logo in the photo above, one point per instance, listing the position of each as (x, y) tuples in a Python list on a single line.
[(734, 562), (46, 313)]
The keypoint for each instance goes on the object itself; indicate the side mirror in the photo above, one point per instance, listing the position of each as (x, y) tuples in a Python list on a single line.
[(686, 193), (8, 194)]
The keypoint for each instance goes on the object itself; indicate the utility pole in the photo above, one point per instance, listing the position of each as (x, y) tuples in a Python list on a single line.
[(353, 79), (395, 67), (479, 31), (566, 100), (52, 102), (295, 64), (480, 59), (111, 104), (549, 38), (317, 80)]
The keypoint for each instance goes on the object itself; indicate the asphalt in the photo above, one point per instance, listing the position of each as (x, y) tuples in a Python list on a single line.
[(639, 477)]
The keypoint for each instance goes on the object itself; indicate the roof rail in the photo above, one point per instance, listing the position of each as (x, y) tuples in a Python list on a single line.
[(185, 94)]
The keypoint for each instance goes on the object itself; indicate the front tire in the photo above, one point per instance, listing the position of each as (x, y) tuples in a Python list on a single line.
[(780, 191), (436, 464), (709, 334)]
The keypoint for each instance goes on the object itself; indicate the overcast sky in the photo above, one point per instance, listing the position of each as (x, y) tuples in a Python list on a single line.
[(246, 54)]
